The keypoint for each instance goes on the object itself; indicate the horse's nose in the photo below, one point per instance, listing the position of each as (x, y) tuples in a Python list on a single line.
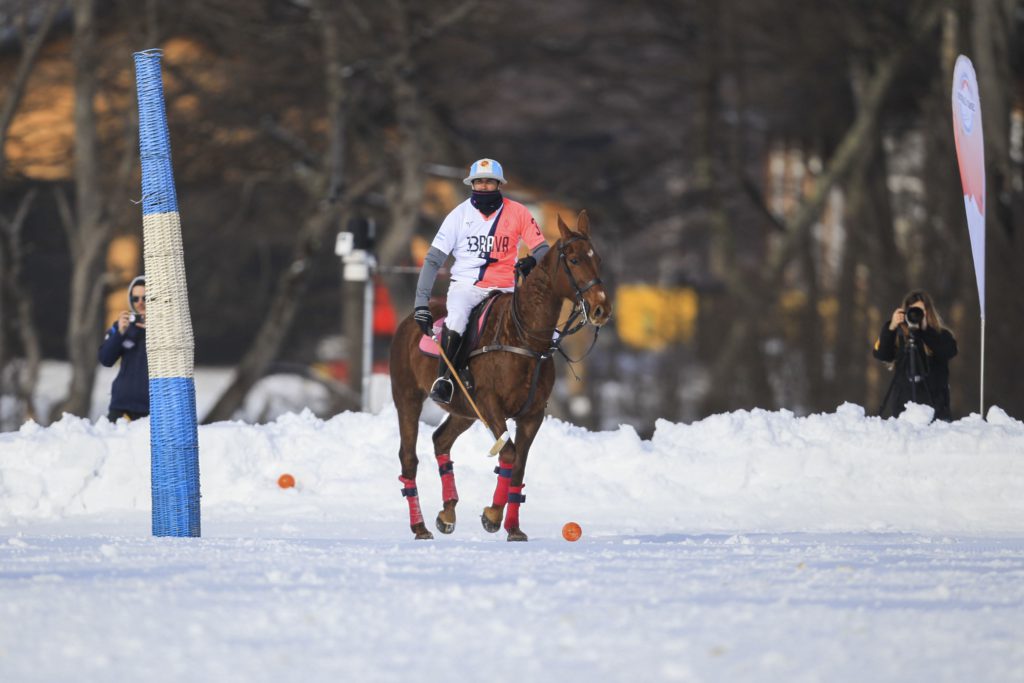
[(601, 314)]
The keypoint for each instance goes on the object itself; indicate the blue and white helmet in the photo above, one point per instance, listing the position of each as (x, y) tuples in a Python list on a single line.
[(485, 168)]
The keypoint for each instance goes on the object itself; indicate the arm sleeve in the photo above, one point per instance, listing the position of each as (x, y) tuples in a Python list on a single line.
[(942, 344), (885, 345), (431, 264), (110, 349), (531, 233), (539, 251)]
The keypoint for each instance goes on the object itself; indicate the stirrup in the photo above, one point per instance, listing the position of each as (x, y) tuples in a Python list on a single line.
[(442, 389)]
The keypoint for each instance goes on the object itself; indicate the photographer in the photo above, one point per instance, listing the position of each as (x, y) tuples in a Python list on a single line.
[(126, 339), (918, 348)]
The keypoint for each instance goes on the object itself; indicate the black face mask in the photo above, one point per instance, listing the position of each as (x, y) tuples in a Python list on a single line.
[(486, 202)]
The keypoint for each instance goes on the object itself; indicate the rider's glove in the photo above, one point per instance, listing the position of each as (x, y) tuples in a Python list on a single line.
[(525, 265), (421, 314)]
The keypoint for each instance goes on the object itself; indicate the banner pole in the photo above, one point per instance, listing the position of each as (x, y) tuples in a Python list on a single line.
[(982, 383)]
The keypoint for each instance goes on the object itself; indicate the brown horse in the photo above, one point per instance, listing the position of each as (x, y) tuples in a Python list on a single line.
[(506, 378)]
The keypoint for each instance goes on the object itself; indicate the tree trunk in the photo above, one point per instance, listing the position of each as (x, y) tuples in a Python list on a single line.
[(88, 234), (329, 205), (860, 133), (23, 379), (405, 194)]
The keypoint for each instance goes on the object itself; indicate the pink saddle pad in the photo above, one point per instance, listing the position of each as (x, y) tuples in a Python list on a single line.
[(428, 345)]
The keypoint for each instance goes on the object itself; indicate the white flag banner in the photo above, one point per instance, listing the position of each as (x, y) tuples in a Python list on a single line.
[(970, 153)]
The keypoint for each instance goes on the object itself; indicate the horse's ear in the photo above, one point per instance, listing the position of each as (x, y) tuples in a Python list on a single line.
[(583, 223), (563, 229)]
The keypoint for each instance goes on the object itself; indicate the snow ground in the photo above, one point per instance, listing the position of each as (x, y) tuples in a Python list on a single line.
[(749, 546)]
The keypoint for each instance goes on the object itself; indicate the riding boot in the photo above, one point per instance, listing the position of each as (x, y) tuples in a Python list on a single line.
[(443, 388)]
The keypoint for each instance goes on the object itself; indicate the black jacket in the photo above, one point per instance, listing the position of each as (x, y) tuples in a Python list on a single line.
[(130, 391), (931, 362)]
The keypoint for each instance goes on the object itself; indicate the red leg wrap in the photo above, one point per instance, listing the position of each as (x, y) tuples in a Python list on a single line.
[(515, 499), (504, 473), (446, 467), (412, 497)]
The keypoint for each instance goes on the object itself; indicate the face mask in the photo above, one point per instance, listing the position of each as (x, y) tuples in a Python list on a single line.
[(486, 202)]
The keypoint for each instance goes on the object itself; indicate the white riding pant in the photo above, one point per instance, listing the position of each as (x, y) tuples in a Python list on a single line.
[(462, 297)]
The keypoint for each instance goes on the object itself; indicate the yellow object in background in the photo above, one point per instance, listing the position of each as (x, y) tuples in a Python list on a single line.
[(651, 318)]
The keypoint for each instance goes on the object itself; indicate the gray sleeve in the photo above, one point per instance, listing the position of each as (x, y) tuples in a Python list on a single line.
[(539, 252), (431, 264)]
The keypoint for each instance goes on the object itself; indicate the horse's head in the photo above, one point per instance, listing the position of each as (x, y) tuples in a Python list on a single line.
[(578, 275)]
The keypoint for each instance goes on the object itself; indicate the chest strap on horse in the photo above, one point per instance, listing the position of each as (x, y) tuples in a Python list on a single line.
[(534, 376)]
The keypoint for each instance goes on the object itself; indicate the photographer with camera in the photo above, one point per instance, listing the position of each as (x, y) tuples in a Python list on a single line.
[(918, 348), (126, 339)]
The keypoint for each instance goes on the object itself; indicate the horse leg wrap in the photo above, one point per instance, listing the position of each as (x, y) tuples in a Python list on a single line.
[(412, 497), (446, 468), (504, 473), (515, 499)]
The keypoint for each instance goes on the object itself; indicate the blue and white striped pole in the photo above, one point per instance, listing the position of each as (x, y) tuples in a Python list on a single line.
[(170, 348)]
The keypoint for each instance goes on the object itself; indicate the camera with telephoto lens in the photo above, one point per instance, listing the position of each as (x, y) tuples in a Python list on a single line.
[(914, 317)]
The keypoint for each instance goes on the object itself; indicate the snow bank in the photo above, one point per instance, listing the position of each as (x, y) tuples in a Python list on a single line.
[(741, 471)]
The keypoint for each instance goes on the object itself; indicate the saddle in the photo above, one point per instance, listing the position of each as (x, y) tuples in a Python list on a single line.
[(474, 333)]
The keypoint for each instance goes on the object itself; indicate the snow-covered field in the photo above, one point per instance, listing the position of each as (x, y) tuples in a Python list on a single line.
[(749, 546)]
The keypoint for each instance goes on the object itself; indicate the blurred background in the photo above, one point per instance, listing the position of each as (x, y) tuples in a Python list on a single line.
[(765, 179)]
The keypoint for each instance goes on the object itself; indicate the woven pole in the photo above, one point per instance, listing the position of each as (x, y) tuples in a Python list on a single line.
[(170, 349)]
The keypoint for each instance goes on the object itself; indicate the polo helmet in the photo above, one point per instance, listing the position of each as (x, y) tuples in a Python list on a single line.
[(485, 168)]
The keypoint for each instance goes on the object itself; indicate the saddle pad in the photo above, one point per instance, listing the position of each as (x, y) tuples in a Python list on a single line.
[(429, 346)]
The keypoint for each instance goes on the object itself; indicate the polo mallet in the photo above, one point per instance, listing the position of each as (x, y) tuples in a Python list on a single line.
[(500, 443)]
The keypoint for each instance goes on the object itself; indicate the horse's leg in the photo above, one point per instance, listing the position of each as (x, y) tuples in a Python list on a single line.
[(409, 404), (526, 431), (444, 438), (410, 462), (491, 517)]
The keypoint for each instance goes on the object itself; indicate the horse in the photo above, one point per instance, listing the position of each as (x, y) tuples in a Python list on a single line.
[(513, 373)]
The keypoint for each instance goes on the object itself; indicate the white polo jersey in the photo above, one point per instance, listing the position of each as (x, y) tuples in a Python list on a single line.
[(486, 247)]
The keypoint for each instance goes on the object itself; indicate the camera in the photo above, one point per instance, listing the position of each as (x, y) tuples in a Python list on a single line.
[(914, 317), (136, 319)]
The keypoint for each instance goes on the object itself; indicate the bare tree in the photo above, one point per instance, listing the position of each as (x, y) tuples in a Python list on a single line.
[(32, 24), (87, 230), (22, 376), (32, 43), (325, 188), (755, 299)]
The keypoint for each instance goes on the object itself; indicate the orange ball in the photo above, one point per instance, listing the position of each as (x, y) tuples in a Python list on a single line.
[(571, 531), (286, 481)]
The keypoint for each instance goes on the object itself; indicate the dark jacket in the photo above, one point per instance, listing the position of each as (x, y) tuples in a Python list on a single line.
[(130, 391), (932, 351)]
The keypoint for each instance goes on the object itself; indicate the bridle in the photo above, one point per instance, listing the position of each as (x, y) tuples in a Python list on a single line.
[(579, 317)]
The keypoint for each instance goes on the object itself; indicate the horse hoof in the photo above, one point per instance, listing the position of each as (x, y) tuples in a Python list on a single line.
[(420, 530), (516, 534), (443, 526), (491, 525)]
